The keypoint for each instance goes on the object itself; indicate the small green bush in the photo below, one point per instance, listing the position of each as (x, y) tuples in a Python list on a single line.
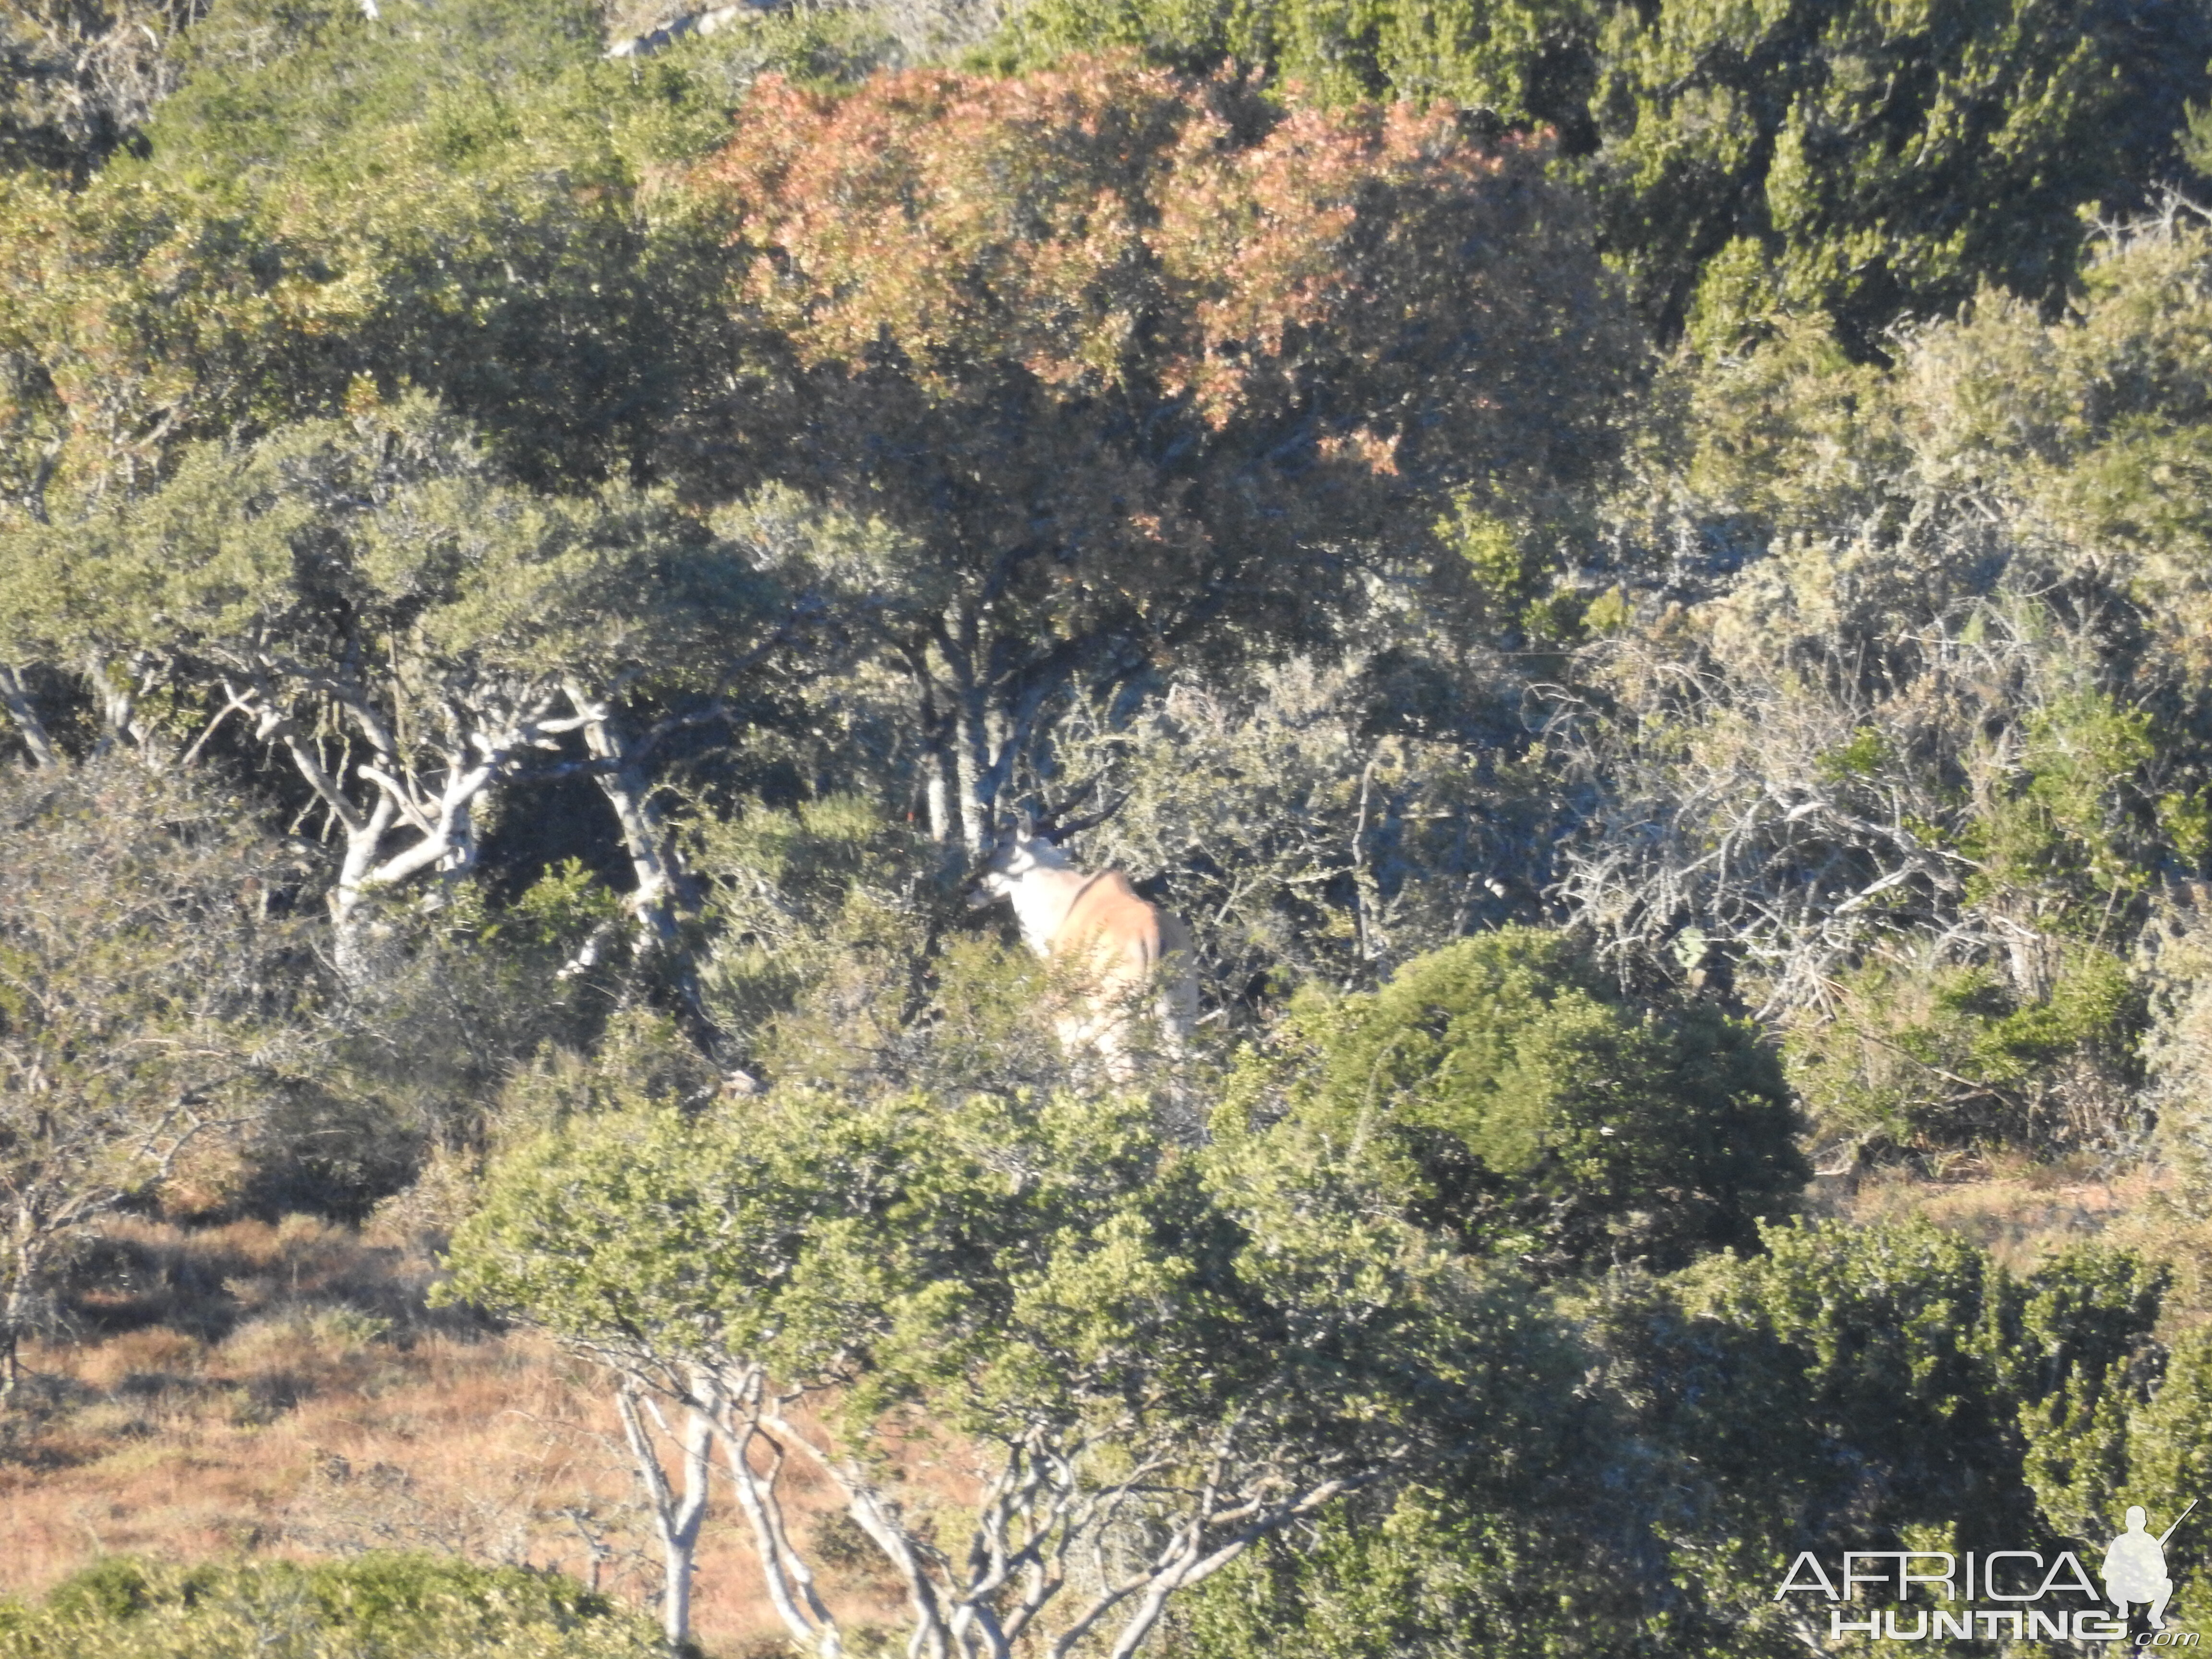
[(376, 1607), (1512, 1098)]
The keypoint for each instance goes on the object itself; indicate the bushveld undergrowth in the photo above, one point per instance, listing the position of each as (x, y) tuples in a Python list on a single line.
[(254, 1391), (1636, 573), (282, 1392)]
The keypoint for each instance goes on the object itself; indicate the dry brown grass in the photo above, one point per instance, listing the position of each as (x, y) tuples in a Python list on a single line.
[(284, 1390), (2022, 1213), (2017, 1210)]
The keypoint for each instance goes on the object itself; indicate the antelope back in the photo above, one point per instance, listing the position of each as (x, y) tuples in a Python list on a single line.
[(1113, 926)]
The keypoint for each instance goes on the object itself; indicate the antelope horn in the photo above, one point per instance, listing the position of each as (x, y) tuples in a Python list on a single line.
[(1051, 814), (1056, 832), (1044, 819)]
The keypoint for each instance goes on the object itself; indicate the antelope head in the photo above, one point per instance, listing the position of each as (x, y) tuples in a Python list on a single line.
[(1016, 851), (1033, 841)]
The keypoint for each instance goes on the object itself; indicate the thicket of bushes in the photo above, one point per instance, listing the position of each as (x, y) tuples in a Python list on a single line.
[(1636, 572)]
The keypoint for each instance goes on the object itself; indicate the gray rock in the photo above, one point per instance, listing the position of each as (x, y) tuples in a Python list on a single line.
[(711, 21)]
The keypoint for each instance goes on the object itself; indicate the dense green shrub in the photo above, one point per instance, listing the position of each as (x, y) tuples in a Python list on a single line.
[(1853, 160), (2169, 1452), (1847, 1387), (1429, 1577), (1963, 1389), (376, 1606), (1927, 763), (1501, 1091)]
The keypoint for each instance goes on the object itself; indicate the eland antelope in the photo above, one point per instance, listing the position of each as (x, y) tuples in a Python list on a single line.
[(1121, 947)]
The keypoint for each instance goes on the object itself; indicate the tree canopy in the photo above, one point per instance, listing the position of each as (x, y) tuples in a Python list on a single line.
[(1858, 162), (1128, 360)]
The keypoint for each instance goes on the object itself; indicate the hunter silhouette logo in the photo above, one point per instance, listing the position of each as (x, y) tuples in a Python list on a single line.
[(2027, 1592), (2135, 1567)]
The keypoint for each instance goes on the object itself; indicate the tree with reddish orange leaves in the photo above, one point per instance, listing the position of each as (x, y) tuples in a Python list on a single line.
[(1127, 366)]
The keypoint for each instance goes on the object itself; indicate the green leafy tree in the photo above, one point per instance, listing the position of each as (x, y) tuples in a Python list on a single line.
[(263, 575), (1144, 1362), (408, 630), (449, 199)]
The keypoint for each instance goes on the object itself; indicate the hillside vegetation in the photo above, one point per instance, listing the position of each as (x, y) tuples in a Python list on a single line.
[(1639, 574)]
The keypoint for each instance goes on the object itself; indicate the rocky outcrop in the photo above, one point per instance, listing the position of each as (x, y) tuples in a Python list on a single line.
[(711, 21)]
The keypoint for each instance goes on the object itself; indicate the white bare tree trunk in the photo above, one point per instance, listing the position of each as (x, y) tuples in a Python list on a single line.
[(789, 1580), (436, 806), (676, 1515), (988, 1596), (17, 701), (622, 779)]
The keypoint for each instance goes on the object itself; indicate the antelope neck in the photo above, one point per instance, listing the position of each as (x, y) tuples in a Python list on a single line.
[(1042, 898)]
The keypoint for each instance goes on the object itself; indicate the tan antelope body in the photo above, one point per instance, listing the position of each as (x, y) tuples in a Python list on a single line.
[(1120, 946)]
